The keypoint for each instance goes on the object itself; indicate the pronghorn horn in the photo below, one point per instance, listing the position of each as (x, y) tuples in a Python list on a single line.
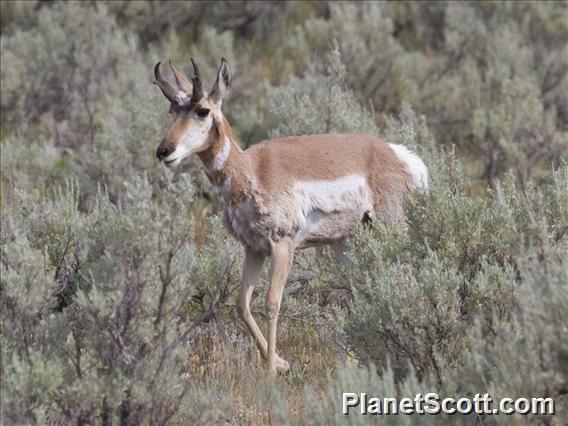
[(197, 84), (167, 89), (181, 80)]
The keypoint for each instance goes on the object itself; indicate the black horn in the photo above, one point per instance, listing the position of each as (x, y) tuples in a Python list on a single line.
[(166, 88), (182, 82), (197, 84)]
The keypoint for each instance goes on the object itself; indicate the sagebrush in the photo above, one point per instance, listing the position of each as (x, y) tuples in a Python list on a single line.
[(118, 281)]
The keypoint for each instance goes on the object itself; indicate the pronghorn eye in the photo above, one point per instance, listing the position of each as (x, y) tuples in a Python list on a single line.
[(202, 112)]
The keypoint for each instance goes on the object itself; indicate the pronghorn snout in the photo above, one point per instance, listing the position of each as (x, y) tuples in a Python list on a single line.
[(164, 149)]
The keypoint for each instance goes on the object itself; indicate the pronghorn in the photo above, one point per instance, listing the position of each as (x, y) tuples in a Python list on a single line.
[(283, 194)]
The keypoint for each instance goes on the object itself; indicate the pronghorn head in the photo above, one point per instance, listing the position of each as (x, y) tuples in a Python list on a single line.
[(195, 112)]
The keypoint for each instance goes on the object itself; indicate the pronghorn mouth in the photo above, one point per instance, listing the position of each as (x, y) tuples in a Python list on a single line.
[(175, 161)]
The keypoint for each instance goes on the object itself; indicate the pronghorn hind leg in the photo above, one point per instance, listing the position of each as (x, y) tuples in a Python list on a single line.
[(251, 274), (281, 260)]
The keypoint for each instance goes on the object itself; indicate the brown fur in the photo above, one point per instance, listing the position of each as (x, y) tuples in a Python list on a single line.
[(276, 164)]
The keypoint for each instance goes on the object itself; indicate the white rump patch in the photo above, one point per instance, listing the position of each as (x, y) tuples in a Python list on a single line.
[(222, 156), (414, 165)]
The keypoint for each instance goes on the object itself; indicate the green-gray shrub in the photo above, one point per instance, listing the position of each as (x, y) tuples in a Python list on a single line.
[(478, 275), (97, 306), (318, 103)]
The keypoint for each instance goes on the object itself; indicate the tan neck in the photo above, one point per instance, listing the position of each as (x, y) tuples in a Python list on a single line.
[(223, 159)]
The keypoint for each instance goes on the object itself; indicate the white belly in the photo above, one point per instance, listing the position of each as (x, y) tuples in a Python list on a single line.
[(312, 213), (329, 210)]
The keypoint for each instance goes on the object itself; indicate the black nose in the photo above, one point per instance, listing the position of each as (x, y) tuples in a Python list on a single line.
[(163, 150)]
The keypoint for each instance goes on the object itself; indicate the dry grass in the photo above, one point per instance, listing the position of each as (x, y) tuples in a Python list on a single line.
[(227, 364)]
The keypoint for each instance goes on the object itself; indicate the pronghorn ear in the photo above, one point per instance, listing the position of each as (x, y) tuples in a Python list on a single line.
[(223, 82)]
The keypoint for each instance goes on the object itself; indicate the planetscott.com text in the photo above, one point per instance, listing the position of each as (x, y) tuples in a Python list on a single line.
[(432, 403)]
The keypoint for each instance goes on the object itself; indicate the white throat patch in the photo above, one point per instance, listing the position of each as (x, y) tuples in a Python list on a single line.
[(222, 156)]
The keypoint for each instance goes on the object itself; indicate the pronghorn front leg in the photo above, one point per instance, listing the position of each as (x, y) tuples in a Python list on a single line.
[(251, 274), (281, 260)]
